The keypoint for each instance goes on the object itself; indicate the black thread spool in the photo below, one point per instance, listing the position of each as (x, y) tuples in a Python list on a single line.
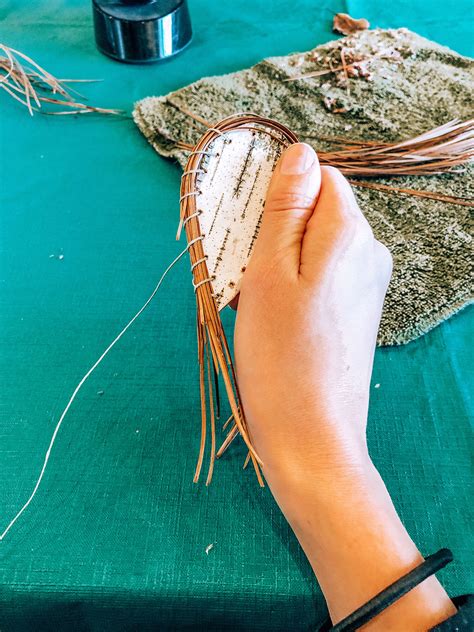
[(141, 31)]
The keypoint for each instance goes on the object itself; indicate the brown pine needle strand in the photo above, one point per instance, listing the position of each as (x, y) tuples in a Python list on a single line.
[(233, 432), (202, 390), (213, 423), (33, 86), (257, 470), (317, 73), (192, 115), (450, 199), (227, 422)]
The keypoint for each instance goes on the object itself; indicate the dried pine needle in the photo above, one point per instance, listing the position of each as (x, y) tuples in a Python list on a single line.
[(34, 87), (432, 195)]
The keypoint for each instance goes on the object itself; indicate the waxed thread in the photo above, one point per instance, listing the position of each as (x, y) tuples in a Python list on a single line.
[(79, 386)]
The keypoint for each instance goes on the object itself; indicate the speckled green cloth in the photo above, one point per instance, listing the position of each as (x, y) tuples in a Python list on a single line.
[(409, 85)]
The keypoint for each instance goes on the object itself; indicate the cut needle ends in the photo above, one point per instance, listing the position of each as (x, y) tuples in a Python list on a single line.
[(38, 90), (437, 151)]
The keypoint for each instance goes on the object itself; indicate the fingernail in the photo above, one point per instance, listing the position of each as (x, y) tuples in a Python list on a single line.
[(297, 159)]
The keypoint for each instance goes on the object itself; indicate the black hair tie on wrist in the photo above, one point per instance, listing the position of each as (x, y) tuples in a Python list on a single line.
[(381, 601)]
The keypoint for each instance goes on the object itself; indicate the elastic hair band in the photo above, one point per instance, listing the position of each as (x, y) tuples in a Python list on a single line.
[(381, 601)]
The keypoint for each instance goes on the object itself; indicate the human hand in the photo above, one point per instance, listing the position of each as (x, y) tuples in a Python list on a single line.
[(307, 321), (308, 314)]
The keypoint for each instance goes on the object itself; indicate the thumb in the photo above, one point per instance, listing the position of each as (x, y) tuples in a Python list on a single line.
[(289, 204)]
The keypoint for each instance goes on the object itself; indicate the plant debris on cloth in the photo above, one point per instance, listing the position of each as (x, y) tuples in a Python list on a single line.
[(407, 86), (343, 23)]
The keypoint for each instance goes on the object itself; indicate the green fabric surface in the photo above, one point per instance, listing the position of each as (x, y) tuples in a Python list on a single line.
[(116, 537)]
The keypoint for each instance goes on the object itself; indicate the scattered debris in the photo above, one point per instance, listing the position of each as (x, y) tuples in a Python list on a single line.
[(334, 105), (377, 386), (297, 60), (100, 392), (209, 547), (57, 255), (346, 25), (349, 58)]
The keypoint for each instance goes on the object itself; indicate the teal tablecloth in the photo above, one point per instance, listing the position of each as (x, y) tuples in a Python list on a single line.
[(116, 537)]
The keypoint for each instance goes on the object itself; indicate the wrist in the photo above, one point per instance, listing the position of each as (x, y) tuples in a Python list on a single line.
[(357, 545), (321, 476), (343, 493)]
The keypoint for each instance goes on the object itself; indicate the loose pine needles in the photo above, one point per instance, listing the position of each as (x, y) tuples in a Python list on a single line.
[(38, 90)]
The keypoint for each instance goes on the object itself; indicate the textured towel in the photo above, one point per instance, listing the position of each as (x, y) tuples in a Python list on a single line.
[(410, 85)]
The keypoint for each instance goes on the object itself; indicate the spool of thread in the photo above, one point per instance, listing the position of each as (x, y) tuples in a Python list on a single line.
[(141, 31)]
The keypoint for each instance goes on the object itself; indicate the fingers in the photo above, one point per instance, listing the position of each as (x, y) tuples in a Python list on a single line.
[(310, 216), (290, 202), (337, 219)]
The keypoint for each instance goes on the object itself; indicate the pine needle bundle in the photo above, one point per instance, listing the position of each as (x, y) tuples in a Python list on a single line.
[(34, 87), (213, 351), (435, 151)]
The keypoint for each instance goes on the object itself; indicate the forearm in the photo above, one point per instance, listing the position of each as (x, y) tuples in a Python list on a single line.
[(357, 545)]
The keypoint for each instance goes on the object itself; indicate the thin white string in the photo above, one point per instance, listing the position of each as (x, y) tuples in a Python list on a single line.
[(208, 280), (79, 386), (189, 217), (198, 262), (187, 173)]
